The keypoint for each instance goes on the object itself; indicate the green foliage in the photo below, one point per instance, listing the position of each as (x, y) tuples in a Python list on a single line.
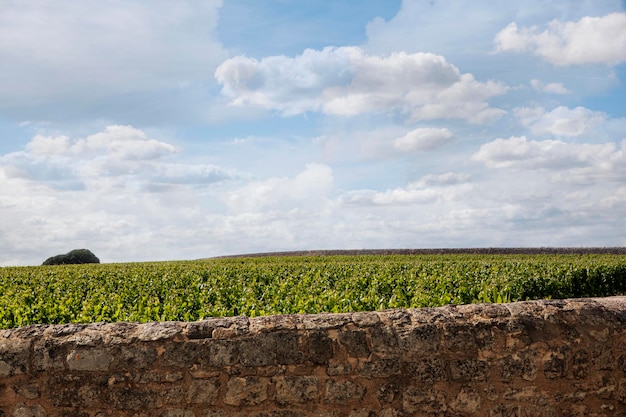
[(76, 256), (191, 290)]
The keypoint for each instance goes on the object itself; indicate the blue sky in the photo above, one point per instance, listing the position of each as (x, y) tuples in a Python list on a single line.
[(180, 130)]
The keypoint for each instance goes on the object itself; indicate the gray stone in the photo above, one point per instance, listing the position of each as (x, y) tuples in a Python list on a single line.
[(89, 360)]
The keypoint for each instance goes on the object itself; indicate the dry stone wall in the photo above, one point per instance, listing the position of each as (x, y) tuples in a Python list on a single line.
[(540, 358)]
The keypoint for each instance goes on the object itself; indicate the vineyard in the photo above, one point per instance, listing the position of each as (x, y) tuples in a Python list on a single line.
[(191, 290)]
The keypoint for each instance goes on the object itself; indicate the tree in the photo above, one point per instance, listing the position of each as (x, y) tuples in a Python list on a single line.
[(76, 256)]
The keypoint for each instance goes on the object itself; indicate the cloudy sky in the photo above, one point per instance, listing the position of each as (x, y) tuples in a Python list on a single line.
[(153, 130)]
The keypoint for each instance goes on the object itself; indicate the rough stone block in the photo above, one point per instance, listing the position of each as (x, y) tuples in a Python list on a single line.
[(343, 392), (520, 364), (420, 401), (554, 364), (320, 347), (22, 410), (423, 340), (296, 389), (380, 368), (427, 370), (466, 401), (203, 391), (246, 391), (89, 360), (465, 370), (355, 342)]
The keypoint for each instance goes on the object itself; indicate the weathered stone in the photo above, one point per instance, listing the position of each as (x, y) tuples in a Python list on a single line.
[(320, 347), (469, 370), (136, 356), (126, 398), (531, 359), (246, 391), (203, 391), (505, 410), (419, 400), (89, 360), (343, 392), (171, 395), (174, 412), (421, 341), (380, 368), (466, 401), (14, 356), (355, 342), (388, 392), (365, 319), (296, 389), (554, 364), (520, 364), (5, 369), (151, 332), (428, 370), (580, 364), (460, 338), (384, 340), (22, 410), (28, 391)]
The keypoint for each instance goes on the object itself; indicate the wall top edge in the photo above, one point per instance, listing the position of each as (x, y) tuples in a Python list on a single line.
[(611, 308)]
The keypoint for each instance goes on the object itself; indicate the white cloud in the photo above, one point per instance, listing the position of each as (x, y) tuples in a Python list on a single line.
[(449, 178), (570, 161), (431, 190), (120, 156), (560, 121), (423, 139), (590, 40), (552, 88), (346, 81), (310, 187), (423, 25)]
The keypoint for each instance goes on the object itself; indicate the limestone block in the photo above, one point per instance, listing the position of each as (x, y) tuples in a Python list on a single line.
[(343, 392), (465, 370), (320, 347), (203, 391), (355, 342), (419, 400), (22, 410), (296, 389), (89, 360), (246, 391)]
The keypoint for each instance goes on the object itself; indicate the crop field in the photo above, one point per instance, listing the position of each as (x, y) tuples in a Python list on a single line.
[(191, 290)]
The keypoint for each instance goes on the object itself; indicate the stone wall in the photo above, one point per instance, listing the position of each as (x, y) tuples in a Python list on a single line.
[(543, 358)]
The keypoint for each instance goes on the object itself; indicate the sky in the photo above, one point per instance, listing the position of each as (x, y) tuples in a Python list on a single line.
[(160, 130)]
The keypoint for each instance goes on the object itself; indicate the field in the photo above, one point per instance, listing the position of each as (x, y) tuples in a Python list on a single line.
[(252, 286)]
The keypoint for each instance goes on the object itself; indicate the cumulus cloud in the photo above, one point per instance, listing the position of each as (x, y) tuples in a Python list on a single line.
[(590, 40), (449, 178), (552, 88), (570, 161), (121, 152), (423, 139), (430, 190), (310, 186), (347, 81), (560, 121)]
